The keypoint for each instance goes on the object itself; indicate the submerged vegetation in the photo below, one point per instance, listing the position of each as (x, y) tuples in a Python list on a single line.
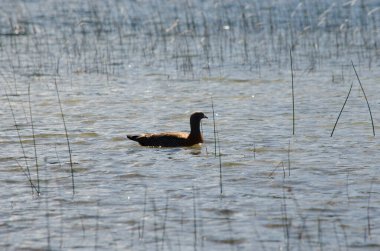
[(55, 54)]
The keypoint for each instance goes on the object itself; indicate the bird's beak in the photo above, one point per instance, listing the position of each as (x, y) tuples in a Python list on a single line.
[(205, 117)]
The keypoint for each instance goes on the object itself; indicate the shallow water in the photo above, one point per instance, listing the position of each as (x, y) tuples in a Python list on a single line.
[(131, 67)]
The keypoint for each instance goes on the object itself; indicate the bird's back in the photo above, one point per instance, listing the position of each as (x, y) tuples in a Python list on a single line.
[(169, 139)]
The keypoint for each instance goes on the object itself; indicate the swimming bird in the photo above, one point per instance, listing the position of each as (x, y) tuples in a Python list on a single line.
[(174, 139)]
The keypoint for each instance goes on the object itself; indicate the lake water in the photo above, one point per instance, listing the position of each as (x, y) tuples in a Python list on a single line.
[(123, 67)]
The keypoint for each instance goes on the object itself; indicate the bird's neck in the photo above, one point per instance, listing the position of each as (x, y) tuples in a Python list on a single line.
[(195, 130)]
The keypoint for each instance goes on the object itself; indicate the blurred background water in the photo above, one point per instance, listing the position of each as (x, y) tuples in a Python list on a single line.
[(144, 66)]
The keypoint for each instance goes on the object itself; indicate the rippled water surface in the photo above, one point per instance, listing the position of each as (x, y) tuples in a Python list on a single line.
[(77, 76)]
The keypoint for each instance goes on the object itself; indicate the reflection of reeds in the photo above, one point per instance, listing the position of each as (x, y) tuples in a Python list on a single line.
[(155, 225), (261, 242), (368, 209), (285, 219), (141, 233), (289, 158), (195, 234), (47, 214), (96, 226), (164, 223), (303, 230), (67, 137), (320, 241)]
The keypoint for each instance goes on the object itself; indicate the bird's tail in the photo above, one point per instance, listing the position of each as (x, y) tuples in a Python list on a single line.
[(132, 137)]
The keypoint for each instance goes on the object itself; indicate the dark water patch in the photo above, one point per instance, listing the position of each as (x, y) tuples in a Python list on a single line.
[(227, 241), (133, 176), (367, 246)]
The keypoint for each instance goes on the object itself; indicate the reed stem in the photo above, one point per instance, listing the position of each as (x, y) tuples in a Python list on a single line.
[(27, 174), (34, 140), (293, 105), (341, 110), (67, 137), (365, 96), (220, 167), (214, 123)]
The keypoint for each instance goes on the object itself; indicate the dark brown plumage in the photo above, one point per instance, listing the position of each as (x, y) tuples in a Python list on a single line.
[(173, 139)]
